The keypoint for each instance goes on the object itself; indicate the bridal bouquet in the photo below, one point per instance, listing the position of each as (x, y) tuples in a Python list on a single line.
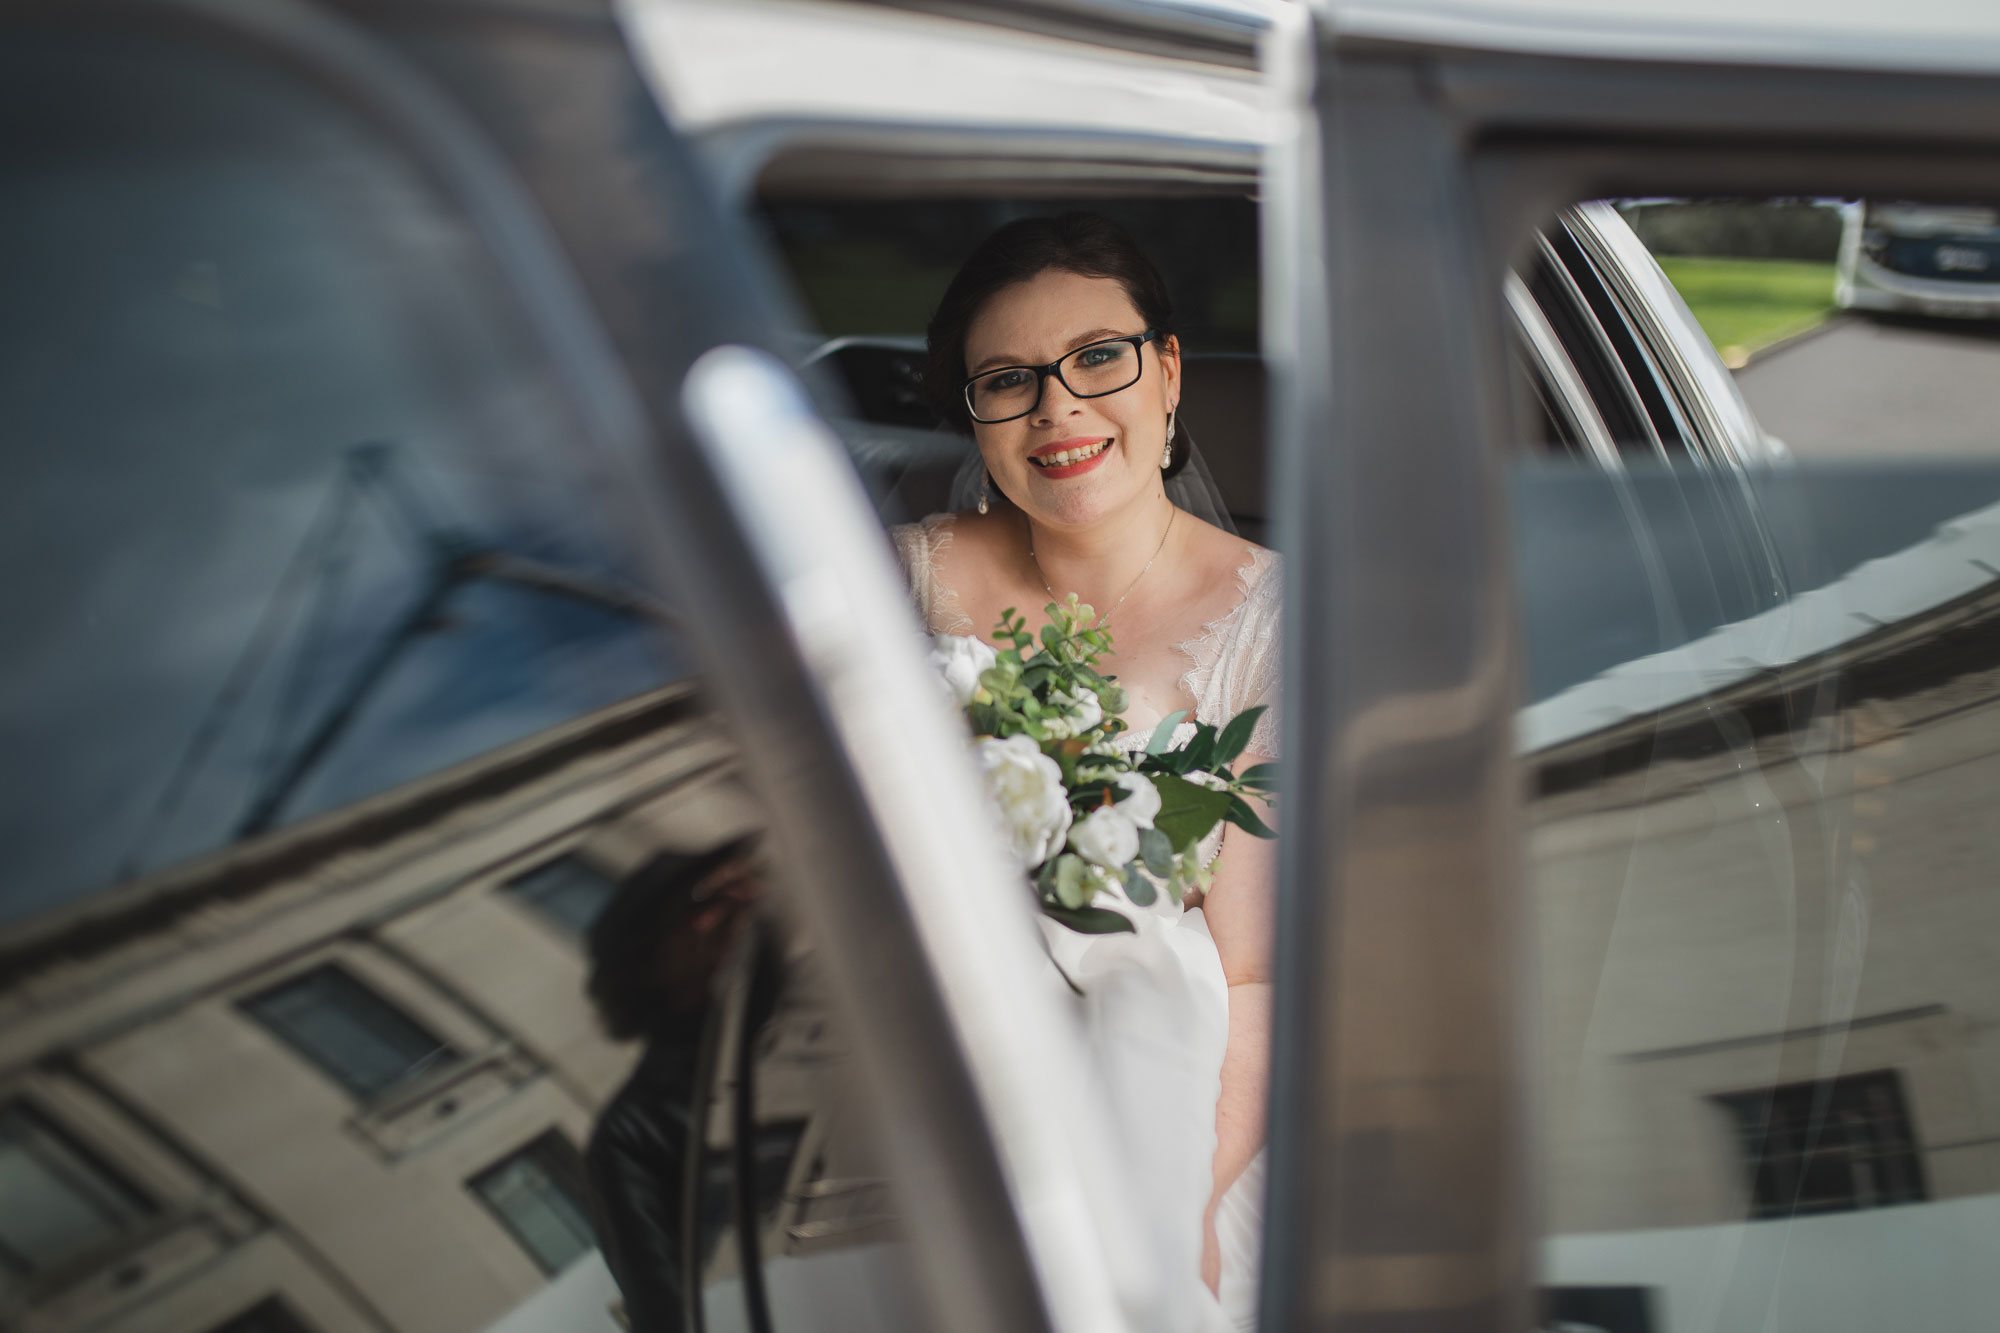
[(1084, 816)]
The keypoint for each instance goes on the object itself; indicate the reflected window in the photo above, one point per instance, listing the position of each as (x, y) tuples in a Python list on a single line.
[(265, 1317), (538, 1196), (1827, 1147), (567, 890), (365, 1043), (60, 1202)]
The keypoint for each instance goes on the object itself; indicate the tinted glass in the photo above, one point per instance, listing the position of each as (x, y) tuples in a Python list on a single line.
[(539, 1194), (301, 502), (1760, 745), (59, 1203), (363, 1041), (567, 890), (339, 678)]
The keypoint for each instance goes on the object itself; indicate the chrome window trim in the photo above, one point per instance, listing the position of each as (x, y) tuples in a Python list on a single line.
[(1621, 373), (1694, 373), (1552, 359)]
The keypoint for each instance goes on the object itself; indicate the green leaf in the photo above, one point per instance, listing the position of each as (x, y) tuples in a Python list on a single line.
[(1236, 736), (1241, 815), (1137, 887), (1157, 851), (1090, 920), (1263, 777), (1070, 889), (1187, 810), (1200, 752), (1164, 733)]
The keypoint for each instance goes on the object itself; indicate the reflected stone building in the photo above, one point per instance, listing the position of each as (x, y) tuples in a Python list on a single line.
[(1766, 959), (338, 1077)]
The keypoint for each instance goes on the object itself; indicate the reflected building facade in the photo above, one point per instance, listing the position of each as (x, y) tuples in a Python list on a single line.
[(339, 1077)]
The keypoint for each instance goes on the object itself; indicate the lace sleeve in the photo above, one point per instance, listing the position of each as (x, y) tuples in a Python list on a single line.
[(1236, 660), (921, 547), (1261, 658)]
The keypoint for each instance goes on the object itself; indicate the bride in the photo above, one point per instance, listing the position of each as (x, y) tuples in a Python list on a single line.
[(1055, 345)]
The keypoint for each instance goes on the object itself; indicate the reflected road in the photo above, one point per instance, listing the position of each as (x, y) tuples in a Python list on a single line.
[(1882, 387)]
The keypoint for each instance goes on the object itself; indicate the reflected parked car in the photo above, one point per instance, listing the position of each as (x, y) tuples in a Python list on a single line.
[(1919, 259)]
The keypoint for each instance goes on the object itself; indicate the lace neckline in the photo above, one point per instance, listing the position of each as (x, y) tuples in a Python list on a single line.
[(1203, 650)]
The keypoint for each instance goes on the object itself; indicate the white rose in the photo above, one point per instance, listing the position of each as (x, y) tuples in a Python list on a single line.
[(1142, 806), (1107, 836), (1026, 789), (961, 659), (1084, 712)]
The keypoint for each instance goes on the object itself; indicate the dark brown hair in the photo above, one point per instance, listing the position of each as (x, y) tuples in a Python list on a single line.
[(623, 944), (1081, 243)]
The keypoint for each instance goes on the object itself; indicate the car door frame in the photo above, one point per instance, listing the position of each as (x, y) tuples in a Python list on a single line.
[(1403, 1172)]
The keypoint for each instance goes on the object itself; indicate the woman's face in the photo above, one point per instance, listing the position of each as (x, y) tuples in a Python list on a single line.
[(1031, 324)]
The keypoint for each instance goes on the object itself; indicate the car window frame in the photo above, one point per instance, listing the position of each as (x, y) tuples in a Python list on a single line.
[(1457, 140)]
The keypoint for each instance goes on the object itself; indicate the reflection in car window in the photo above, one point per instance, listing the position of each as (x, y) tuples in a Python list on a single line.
[(296, 500), (345, 740), (1761, 743), (323, 639)]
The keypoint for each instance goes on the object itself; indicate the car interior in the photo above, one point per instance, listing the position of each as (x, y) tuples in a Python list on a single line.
[(869, 253)]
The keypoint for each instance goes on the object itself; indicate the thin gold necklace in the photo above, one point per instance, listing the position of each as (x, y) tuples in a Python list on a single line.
[(1173, 511)]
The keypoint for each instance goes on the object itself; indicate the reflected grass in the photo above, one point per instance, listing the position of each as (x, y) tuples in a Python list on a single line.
[(1744, 305)]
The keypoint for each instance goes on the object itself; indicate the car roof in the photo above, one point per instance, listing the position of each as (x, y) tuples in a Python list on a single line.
[(728, 62), (1960, 36)]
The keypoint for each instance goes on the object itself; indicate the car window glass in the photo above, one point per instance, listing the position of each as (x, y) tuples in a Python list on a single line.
[(1758, 743), (356, 949), (306, 517)]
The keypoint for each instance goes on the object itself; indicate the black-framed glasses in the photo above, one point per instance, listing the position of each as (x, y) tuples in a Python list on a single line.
[(1091, 371)]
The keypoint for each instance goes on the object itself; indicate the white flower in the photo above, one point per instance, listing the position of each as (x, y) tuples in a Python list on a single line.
[(1107, 836), (1027, 792), (960, 659), (1084, 711), (1142, 806)]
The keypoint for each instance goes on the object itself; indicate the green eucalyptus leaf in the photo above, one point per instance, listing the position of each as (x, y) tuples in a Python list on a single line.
[(1090, 920), (1236, 736), (1262, 777), (1164, 733), (1157, 851), (1241, 815), (1138, 888), (1070, 889), (1187, 810)]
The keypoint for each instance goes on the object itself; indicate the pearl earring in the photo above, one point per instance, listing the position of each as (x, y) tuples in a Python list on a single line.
[(1167, 454), (983, 480)]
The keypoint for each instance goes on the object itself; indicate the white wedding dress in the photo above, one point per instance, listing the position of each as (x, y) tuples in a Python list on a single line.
[(1155, 1007)]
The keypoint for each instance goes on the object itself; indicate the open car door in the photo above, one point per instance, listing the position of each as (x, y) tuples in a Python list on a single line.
[(427, 586), (1651, 1007)]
